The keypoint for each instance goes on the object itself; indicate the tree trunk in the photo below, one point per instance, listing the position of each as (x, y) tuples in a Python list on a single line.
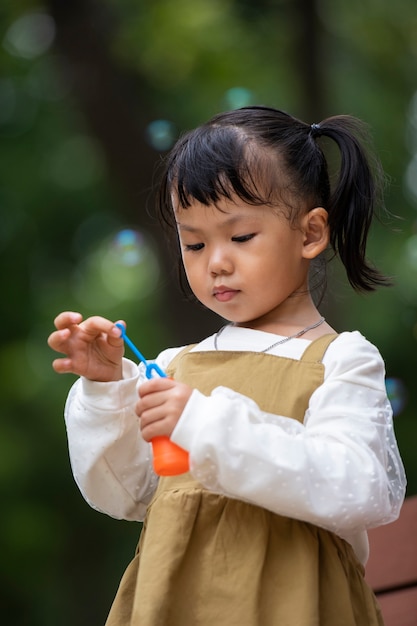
[(309, 61), (117, 113)]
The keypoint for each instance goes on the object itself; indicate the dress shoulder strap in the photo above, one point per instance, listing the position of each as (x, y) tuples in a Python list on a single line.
[(177, 357), (317, 348)]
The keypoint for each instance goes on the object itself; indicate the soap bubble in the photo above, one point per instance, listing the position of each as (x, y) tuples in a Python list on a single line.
[(129, 265), (397, 394), (161, 134), (129, 246), (121, 268)]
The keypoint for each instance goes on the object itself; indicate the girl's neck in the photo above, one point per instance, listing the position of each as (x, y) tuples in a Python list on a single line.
[(294, 315)]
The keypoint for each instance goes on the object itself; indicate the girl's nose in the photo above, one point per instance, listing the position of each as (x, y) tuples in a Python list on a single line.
[(220, 262)]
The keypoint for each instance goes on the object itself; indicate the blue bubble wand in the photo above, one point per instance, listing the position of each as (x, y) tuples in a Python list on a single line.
[(149, 367)]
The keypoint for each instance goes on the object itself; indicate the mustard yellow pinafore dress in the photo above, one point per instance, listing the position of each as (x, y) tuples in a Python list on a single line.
[(208, 560)]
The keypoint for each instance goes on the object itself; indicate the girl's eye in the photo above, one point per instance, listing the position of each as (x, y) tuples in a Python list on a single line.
[(243, 238), (194, 247)]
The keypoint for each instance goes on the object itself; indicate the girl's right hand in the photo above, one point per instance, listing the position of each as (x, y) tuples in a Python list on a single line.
[(93, 347)]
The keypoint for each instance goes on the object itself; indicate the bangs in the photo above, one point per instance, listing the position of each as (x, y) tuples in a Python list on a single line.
[(215, 162)]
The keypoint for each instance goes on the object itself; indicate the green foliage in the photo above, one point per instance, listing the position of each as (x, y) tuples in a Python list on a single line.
[(192, 53), (63, 209)]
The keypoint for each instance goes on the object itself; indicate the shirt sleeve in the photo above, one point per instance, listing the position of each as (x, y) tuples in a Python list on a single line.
[(111, 463), (340, 469)]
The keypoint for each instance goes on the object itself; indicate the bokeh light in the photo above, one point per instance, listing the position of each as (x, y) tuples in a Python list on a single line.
[(46, 82), (7, 100), (30, 35), (161, 134), (75, 163), (397, 395), (237, 97), (411, 177), (411, 251), (18, 107), (412, 112)]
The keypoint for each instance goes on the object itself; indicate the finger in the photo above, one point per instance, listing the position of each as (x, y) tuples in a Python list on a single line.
[(151, 414), (66, 319), (152, 424), (154, 385), (62, 366), (116, 333), (96, 325), (149, 402), (58, 338)]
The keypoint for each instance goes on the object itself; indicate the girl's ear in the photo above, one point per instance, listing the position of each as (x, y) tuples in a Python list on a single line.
[(315, 228)]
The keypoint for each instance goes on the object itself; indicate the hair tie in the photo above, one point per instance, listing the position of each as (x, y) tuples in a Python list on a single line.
[(315, 130)]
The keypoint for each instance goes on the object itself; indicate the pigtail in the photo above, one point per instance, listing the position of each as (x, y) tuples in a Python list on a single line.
[(353, 199)]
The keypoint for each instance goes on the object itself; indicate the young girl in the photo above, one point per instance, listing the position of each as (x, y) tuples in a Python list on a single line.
[(287, 424)]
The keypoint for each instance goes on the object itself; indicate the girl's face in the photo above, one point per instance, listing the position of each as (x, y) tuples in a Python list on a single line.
[(247, 262)]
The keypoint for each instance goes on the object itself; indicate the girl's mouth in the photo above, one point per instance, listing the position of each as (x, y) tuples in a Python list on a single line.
[(223, 294)]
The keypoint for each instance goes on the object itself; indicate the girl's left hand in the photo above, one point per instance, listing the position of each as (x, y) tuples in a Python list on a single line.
[(161, 403)]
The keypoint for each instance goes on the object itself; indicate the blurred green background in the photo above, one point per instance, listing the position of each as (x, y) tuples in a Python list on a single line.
[(92, 93)]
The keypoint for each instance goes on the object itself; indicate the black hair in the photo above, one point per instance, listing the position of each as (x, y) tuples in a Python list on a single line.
[(265, 156)]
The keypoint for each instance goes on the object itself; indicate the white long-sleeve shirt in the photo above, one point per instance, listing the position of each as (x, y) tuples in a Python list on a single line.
[(340, 469)]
